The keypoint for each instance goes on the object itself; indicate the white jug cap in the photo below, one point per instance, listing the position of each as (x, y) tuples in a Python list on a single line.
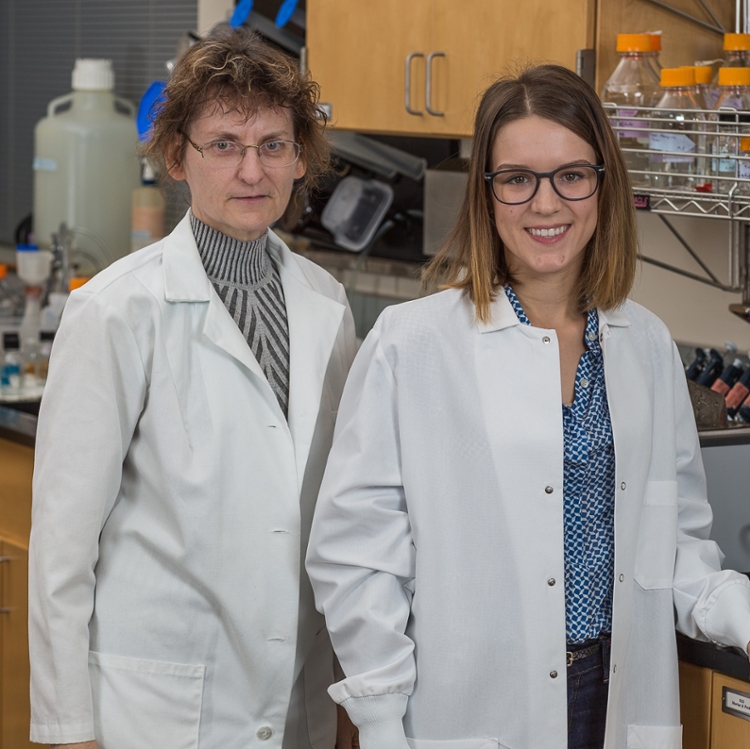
[(93, 75)]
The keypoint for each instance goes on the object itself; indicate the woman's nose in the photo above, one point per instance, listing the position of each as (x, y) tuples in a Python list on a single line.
[(546, 199), (250, 168)]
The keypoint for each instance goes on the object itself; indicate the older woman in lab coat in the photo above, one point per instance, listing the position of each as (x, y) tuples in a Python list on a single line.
[(514, 511), (181, 442)]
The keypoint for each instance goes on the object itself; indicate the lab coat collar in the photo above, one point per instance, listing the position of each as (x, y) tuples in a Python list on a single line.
[(314, 320), (502, 315), (185, 279)]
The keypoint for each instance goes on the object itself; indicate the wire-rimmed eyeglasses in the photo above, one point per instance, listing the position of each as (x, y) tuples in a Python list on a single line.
[(572, 182), (228, 153)]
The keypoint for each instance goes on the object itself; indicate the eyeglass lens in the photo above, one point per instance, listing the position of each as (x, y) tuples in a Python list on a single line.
[(274, 153), (518, 186)]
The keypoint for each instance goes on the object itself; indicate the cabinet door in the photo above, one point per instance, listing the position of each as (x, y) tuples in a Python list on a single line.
[(481, 37), (14, 648), (357, 53)]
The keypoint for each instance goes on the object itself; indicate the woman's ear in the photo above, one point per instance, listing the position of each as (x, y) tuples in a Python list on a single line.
[(173, 157)]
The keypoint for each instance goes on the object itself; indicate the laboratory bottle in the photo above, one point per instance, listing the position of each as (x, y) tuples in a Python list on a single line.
[(704, 92), (739, 392), (712, 369), (696, 366), (631, 86), (86, 165), (736, 51), (46, 339), (12, 363), (727, 379), (147, 216), (728, 141), (653, 56), (677, 134)]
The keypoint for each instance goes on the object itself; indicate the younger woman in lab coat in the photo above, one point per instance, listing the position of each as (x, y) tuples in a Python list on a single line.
[(181, 442), (514, 510)]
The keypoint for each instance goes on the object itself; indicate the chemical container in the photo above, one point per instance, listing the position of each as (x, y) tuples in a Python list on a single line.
[(86, 166)]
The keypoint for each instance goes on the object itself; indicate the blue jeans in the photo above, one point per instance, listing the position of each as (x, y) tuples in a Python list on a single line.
[(588, 684)]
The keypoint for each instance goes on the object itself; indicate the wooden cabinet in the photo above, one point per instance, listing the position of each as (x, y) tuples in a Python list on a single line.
[(730, 713), (16, 466), (442, 53), (714, 709), (376, 60)]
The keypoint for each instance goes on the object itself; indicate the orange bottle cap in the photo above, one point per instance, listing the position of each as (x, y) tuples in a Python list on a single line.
[(633, 43), (655, 39), (76, 282), (734, 76), (678, 77), (703, 73), (3, 270), (736, 42)]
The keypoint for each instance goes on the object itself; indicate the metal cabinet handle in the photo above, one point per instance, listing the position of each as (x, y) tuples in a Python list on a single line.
[(428, 85), (407, 83), (4, 610)]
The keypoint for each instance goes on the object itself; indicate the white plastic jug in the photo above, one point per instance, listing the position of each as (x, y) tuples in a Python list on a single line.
[(86, 166)]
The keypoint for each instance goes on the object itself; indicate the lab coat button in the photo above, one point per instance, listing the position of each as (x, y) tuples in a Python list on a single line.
[(621, 578), (264, 733), (553, 674), (622, 486), (551, 581), (548, 489), (545, 339)]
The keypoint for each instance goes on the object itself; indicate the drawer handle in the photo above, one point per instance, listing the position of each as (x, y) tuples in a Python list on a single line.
[(407, 83), (4, 559), (428, 85)]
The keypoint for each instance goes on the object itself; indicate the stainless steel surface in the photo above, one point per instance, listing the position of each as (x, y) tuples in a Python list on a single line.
[(407, 83), (428, 85)]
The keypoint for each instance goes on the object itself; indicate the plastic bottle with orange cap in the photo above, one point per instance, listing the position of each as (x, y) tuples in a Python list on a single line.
[(732, 138), (674, 141), (633, 85)]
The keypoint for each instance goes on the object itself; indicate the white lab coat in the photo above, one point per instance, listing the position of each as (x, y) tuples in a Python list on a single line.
[(437, 546), (172, 501)]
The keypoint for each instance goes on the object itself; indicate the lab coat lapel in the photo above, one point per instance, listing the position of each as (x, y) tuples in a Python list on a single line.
[(314, 322), (185, 280)]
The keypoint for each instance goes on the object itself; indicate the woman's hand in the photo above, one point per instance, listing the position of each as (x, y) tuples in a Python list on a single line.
[(83, 745), (347, 735)]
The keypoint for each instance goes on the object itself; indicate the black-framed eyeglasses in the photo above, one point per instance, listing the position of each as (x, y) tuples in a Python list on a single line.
[(228, 153), (572, 182)]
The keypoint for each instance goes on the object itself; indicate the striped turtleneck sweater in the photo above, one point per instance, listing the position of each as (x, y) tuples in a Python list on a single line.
[(248, 283)]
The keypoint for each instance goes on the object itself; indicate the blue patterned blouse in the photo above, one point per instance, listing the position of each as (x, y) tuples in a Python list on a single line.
[(588, 493)]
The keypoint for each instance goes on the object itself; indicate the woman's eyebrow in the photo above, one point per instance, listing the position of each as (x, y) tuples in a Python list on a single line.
[(502, 167), (226, 135)]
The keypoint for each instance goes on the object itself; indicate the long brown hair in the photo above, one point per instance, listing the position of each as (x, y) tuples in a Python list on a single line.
[(474, 257), (235, 70)]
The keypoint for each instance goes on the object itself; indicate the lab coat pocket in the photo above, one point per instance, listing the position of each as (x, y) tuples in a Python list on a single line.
[(320, 708), (657, 536), (454, 744), (139, 703), (654, 737)]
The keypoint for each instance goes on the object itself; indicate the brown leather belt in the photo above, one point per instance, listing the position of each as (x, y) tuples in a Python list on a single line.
[(576, 655)]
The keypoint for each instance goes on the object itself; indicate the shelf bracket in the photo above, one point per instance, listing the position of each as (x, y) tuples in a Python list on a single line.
[(716, 27)]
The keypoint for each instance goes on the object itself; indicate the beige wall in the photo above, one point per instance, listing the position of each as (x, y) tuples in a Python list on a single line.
[(211, 12), (694, 312)]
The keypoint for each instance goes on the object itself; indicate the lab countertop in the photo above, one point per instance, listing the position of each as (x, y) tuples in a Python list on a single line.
[(17, 426)]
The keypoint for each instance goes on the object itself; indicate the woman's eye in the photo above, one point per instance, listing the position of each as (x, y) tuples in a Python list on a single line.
[(224, 146), (516, 179), (273, 146), (570, 176)]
